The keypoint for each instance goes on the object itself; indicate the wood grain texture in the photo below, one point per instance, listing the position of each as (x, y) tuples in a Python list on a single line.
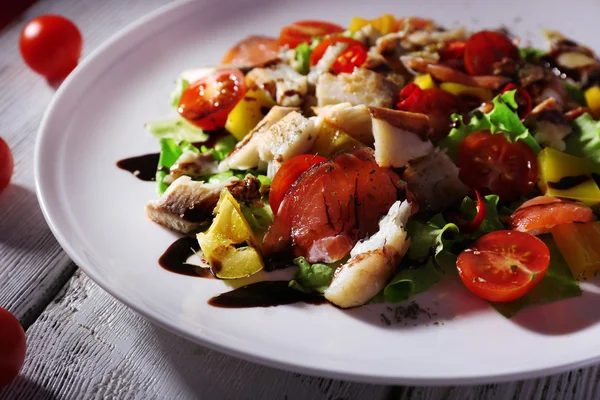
[(85, 344)]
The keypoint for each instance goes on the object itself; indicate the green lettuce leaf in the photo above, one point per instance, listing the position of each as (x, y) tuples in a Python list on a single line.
[(530, 53), (180, 86), (259, 218), (502, 119), (311, 278), (434, 248), (222, 148), (557, 284), (585, 140), (176, 128), (302, 55), (170, 151)]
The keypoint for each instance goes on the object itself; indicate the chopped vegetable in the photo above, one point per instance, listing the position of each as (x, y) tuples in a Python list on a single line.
[(579, 245), (313, 277), (558, 284), (484, 49), (501, 119), (302, 56), (332, 140), (585, 141), (229, 245), (304, 31), (384, 24), (259, 218), (566, 176), (463, 90), (245, 115), (176, 128), (424, 81), (592, 98), (170, 151), (221, 149)]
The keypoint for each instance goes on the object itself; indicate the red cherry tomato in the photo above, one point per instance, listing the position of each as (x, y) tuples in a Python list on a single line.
[(485, 48), (303, 32), (522, 98), (503, 266), (288, 175), (436, 103), (353, 57), (51, 46), (253, 50), (324, 44), (490, 164), (6, 165), (12, 347), (452, 51), (465, 225), (207, 102)]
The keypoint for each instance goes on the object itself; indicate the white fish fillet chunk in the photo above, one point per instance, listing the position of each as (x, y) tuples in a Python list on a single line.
[(292, 135), (245, 154), (433, 180), (353, 120), (399, 136), (372, 261), (285, 85), (362, 86)]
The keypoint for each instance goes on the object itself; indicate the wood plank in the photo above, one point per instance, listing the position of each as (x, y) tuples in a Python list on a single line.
[(87, 345), (33, 267)]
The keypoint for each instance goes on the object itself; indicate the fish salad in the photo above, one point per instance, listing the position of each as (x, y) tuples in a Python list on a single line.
[(384, 157)]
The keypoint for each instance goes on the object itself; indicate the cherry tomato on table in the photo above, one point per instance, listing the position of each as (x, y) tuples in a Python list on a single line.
[(503, 266), (51, 46), (288, 174), (6, 165), (12, 347), (303, 31), (491, 164), (207, 102), (485, 48)]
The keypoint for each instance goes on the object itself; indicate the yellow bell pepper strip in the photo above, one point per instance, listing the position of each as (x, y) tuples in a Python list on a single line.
[(567, 176), (592, 97), (464, 90), (332, 140), (247, 113), (384, 24), (229, 245), (424, 81), (579, 245)]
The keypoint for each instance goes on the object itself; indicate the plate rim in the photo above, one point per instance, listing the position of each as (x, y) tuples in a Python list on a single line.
[(176, 8)]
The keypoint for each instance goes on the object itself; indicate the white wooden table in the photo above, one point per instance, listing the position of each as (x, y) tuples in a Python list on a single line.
[(84, 344)]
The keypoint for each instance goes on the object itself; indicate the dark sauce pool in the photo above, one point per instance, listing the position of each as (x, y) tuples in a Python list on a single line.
[(142, 167), (264, 294), (175, 257)]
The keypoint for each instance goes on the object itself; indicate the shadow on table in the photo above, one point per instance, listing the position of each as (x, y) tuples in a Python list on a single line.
[(18, 206), (24, 388)]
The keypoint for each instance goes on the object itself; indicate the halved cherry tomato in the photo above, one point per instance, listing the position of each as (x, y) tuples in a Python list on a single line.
[(503, 266), (436, 103), (452, 50), (253, 50), (51, 46), (303, 32), (353, 57), (485, 48), (207, 101), (12, 347), (324, 44), (6, 165), (522, 98), (465, 225), (332, 206), (541, 214), (288, 174), (490, 164)]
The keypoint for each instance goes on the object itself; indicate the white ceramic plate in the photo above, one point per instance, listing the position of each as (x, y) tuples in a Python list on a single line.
[(96, 211)]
